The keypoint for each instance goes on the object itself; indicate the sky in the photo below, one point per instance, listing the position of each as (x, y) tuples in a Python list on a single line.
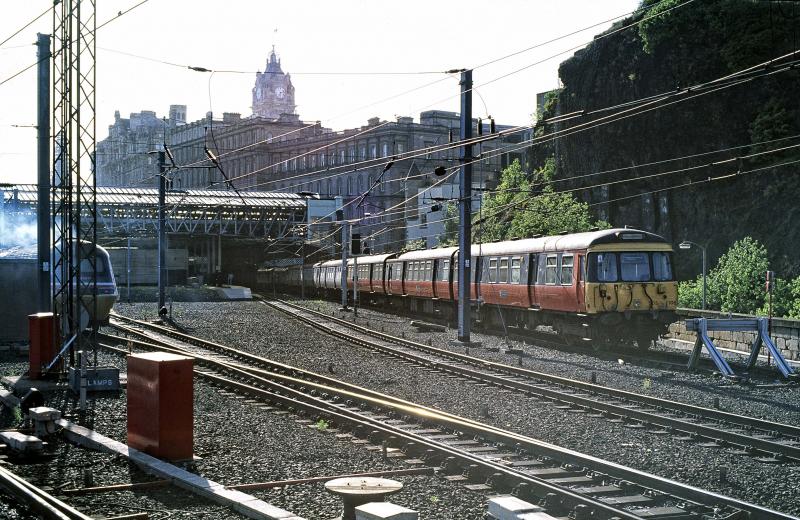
[(337, 52)]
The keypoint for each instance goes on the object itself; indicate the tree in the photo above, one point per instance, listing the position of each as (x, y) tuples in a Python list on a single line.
[(450, 236), (415, 245), (525, 205), (735, 284)]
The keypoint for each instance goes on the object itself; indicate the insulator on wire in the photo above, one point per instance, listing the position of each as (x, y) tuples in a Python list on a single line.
[(450, 135), (480, 126), (439, 171), (492, 127)]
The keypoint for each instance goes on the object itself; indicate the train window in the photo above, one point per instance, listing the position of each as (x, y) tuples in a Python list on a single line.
[(662, 267), (445, 269), (398, 271), (551, 266), (503, 273), (492, 270), (429, 270), (607, 267), (541, 274), (516, 264), (87, 273), (634, 267), (566, 269)]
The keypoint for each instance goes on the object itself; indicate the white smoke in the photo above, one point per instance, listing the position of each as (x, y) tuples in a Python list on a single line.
[(17, 230)]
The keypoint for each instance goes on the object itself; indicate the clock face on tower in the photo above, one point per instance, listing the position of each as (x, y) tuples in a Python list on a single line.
[(280, 92)]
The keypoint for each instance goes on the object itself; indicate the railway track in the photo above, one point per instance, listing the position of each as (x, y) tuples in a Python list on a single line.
[(483, 457), (766, 440), (660, 359)]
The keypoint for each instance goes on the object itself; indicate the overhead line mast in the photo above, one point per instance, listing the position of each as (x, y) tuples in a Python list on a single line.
[(74, 186)]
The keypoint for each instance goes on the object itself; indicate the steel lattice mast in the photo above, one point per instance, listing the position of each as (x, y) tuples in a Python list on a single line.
[(73, 187)]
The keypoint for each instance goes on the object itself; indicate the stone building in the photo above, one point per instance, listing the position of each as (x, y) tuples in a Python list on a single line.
[(274, 150)]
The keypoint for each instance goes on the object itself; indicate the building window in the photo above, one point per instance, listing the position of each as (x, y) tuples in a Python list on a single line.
[(351, 154), (360, 185), (342, 157), (373, 151), (385, 150), (349, 185), (313, 160), (319, 186), (339, 187), (322, 160), (363, 152), (330, 187)]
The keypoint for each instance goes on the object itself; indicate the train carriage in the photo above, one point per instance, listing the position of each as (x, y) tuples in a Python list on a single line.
[(604, 285), (614, 285), (370, 273)]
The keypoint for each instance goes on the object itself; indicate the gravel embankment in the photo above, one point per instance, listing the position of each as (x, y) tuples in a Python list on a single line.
[(254, 327)]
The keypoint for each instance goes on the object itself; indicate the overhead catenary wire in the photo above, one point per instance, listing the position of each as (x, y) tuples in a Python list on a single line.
[(687, 184), (503, 208), (203, 69), (606, 119), (650, 100), (9, 38), (58, 51)]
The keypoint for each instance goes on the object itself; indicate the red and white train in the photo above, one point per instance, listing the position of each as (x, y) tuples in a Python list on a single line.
[(609, 286)]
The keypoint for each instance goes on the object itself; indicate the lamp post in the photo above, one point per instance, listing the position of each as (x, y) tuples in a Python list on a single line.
[(687, 244)]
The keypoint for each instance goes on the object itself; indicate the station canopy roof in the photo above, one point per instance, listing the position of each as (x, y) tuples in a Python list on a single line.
[(110, 196)]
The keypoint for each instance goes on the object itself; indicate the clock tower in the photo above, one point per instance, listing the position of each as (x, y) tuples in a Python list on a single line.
[(273, 93)]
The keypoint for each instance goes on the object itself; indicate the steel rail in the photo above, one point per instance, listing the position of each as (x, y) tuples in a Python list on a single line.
[(507, 438), (341, 415), (653, 358), (746, 441), (38, 500)]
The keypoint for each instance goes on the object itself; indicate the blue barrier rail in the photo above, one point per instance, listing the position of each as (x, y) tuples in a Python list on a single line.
[(758, 325)]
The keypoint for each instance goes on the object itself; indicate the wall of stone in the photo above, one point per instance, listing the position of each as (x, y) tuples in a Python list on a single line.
[(785, 333)]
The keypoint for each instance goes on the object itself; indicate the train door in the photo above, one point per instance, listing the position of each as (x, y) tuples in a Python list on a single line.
[(568, 300), (531, 279), (580, 282)]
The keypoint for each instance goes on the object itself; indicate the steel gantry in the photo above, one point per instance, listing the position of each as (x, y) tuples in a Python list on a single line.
[(74, 215)]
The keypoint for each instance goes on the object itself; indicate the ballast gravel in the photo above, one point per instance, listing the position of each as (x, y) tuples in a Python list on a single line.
[(237, 442), (254, 327)]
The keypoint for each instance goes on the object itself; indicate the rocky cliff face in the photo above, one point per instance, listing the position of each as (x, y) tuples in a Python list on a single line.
[(689, 45)]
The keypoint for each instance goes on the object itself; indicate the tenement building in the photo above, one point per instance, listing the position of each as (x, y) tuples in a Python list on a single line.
[(381, 171)]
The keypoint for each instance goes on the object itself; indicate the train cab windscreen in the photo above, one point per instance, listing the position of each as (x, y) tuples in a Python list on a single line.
[(630, 266)]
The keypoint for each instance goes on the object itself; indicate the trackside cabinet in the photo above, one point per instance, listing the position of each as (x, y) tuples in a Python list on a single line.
[(160, 400), (42, 349)]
